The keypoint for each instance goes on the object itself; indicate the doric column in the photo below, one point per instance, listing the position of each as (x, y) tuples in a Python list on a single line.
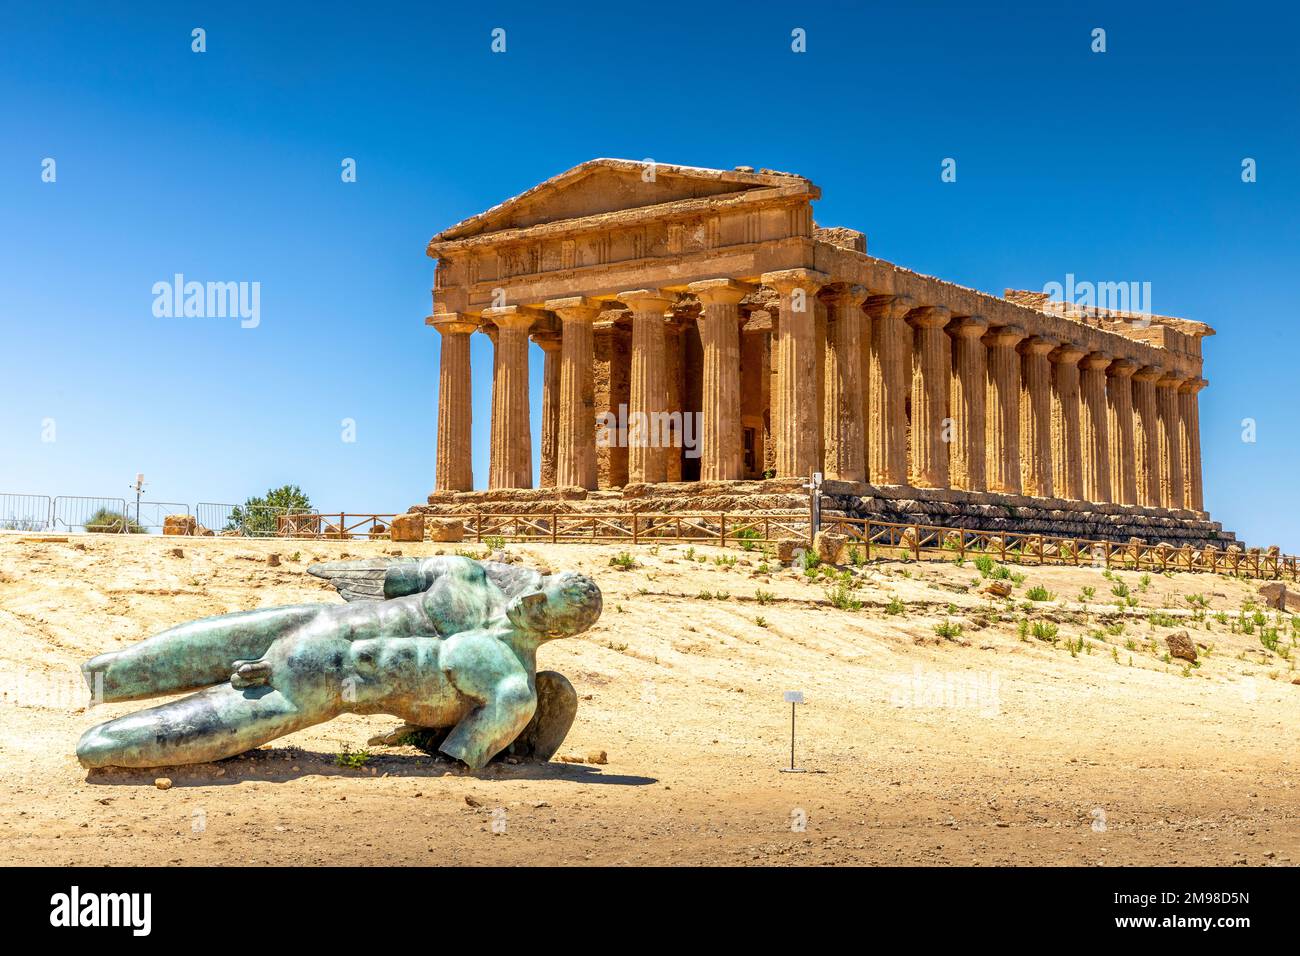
[(1146, 436), (549, 343), (1190, 418), (798, 419), (1171, 453), (1067, 451), (931, 370), (455, 469), (864, 386), (1094, 427), (1004, 409), (719, 326), (1119, 394), (967, 403), (512, 452), (648, 387), (845, 426), (891, 379), (1036, 416), (575, 452)]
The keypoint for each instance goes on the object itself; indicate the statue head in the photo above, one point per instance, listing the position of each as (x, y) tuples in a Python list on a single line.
[(567, 604)]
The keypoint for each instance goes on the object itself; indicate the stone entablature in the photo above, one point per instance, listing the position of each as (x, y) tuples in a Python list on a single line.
[(670, 289)]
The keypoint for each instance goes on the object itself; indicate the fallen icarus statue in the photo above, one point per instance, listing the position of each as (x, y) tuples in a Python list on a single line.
[(448, 644)]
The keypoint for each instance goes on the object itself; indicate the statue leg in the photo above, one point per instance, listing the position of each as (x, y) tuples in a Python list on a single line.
[(213, 724), (197, 654), (557, 706)]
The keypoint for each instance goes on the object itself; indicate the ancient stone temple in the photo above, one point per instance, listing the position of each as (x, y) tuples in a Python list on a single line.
[(708, 345)]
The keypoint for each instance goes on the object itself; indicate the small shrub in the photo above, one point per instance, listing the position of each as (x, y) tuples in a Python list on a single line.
[(347, 757), (1039, 593), (623, 561), (948, 630)]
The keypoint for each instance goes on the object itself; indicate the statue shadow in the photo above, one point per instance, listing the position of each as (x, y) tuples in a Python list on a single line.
[(283, 766)]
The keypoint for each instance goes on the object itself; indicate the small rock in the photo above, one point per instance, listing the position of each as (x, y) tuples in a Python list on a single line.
[(999, 589), (569, 758), (177, 553), (471, 802), (1180, 645), (273, 560), (597, 757), (163, 783)]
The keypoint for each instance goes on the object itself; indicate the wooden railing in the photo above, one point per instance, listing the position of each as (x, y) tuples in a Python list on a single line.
[(874, 539)]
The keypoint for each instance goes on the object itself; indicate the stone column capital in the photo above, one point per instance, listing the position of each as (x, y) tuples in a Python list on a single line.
[(1171, 380), (787, 280), (1004, 336), (1148, 373), (1095, 361), (1067, 353), (889, 306), (1122, 368), (577, 307), (845, 294), (647, 300), (511, 317), (718, 291), (452, 323), (1037, 345), (968, 326), (929, 317), (1192, 386), (547, 341)]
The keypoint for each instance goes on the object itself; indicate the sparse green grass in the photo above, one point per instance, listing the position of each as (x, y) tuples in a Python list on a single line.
[(843, 597), (895, 606), (764, 597), (355, 759), (623, 561), (1086, 594), (1045, 631), (760, 621), (1039, 593), (948, 629)]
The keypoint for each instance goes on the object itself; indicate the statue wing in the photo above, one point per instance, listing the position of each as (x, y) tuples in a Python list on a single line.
[(513, 579), (380, 579), (372, 579)]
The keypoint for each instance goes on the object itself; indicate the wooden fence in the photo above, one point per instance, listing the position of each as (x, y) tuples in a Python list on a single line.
[(874, 539)]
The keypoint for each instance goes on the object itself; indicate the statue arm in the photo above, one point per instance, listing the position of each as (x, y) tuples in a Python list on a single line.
[(483, 669)]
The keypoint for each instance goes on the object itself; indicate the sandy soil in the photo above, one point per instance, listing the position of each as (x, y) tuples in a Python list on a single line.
[(985, 748)]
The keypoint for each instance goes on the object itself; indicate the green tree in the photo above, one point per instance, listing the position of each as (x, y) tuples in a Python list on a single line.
[(257, 516), (105, 521)]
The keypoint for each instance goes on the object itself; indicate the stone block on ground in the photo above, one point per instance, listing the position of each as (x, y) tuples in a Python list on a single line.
[(1180, 645), (180, 524), (407, 527), (444, 529)]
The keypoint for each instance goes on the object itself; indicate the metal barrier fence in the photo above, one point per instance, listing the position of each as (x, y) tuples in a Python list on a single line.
[(215, 517), (149, 515), (104, 515), (24, 512)]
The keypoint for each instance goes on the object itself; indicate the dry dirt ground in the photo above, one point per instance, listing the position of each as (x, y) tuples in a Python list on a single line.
[(986, 747)]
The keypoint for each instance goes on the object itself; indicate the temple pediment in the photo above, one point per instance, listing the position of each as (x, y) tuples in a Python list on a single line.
[(602, 186)]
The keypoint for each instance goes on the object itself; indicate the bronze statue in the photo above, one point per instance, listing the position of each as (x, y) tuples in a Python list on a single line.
[(447, 643)]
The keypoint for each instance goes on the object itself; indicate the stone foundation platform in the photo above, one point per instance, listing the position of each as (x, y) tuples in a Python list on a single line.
[(950, 508)]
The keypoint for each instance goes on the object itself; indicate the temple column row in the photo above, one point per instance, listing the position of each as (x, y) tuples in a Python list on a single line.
[(900, 394)]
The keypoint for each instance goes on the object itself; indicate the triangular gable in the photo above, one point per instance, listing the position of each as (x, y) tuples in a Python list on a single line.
[(609, 185)]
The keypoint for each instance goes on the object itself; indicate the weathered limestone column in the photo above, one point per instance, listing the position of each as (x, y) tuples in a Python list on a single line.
[(1119, 393), (1146, 438), (891, 376), (845, 426), (575, 453), (798, 419), (1004, 409), (645, 453), (1190, 419), (1036, 416), (931, 370), (967, 402), (1094, 427), (549, 343), (1171, 453), (455, 468), (721, 455), (512, 453), (864, 385), (1067, 451)]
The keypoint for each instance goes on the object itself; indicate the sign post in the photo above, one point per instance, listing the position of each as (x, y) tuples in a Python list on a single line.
[(793, 697)]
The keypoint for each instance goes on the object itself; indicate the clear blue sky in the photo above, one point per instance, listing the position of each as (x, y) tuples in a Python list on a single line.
[(225, 166)]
